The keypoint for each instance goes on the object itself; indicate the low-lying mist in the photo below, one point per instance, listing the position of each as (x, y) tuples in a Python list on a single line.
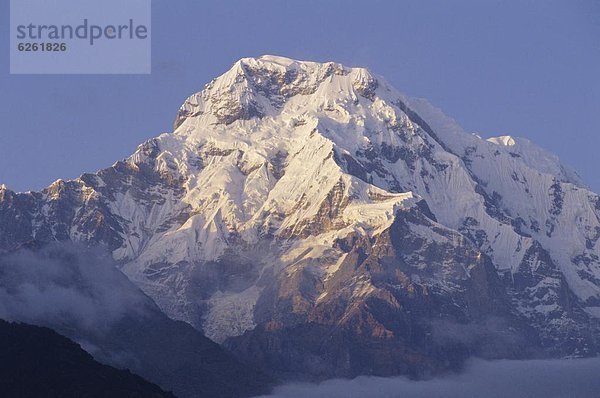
[(66, 284), (80, 293), (568, 378)]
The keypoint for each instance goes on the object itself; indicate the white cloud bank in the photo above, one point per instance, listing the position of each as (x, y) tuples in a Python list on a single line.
[(576, 378)]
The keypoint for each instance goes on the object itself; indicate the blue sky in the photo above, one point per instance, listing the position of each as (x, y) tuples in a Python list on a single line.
[(524, 68)]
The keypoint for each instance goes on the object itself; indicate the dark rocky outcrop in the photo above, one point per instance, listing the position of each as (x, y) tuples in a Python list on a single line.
[(38, 362)]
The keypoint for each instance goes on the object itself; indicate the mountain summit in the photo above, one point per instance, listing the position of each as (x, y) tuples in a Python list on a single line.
[(319, 222)]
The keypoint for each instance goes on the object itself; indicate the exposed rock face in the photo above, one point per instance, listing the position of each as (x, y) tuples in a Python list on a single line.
[(321, 222), (397, 303)]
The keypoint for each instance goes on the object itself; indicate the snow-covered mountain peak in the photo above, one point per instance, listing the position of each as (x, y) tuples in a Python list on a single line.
[(282, 177), (348, 105), (255, 88), (294, 149)]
